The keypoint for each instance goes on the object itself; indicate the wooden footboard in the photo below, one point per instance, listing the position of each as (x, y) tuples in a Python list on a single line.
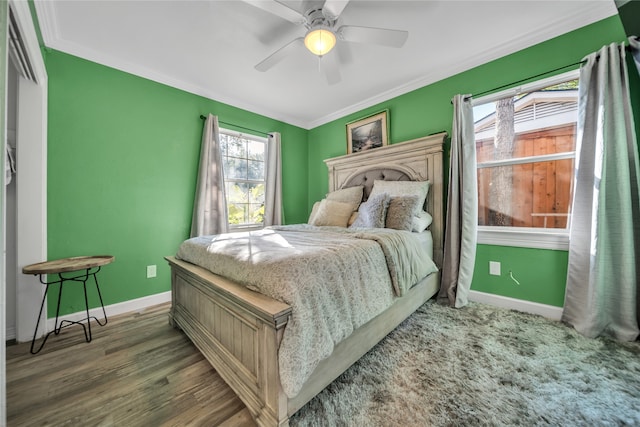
[(239, 332)]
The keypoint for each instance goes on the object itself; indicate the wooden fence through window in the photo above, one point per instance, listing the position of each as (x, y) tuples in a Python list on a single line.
[(542, 191)]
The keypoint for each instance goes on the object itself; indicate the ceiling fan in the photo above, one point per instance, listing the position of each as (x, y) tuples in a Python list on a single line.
[(322, 34)]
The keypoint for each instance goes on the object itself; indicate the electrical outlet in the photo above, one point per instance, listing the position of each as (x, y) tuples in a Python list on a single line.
[(494, 268), (151, 271)]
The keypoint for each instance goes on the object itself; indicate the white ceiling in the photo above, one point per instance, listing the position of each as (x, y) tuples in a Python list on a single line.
[(210, 47)]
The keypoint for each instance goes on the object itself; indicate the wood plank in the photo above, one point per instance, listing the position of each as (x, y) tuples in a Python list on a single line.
[(248, 356), (484, 182), (548, 190), (137, 371), (527, 197), (237, 338), (564, 180), (68, 264), (522, 184), (539, 183)]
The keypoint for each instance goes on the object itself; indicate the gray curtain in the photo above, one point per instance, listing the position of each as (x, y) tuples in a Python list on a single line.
[(9, 163), (634, 44), (602, 280), (273, 214), (462, 208), (210, 206)]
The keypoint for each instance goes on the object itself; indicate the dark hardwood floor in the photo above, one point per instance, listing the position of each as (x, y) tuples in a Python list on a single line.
[(137, 371)]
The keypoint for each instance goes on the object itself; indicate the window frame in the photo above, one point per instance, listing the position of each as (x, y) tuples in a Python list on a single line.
[(525, 237), (257, 138)]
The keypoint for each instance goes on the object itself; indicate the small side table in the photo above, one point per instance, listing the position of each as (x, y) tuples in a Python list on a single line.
[(76, 269)]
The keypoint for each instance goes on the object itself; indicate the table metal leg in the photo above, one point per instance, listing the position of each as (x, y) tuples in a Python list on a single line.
[(35, 333), (86, 305), (95, 279), (64, 323), (57, 328)]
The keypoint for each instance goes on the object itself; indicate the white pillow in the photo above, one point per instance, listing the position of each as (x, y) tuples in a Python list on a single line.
[(421, 222), (332, 213), (402, 188)]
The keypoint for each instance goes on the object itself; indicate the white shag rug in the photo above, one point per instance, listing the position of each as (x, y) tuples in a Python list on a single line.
[(483, 366)]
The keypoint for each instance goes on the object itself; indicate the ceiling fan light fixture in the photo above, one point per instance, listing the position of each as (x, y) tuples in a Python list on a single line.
[(320, 41)]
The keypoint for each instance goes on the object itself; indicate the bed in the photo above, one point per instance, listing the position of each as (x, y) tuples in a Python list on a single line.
[(240, 331)]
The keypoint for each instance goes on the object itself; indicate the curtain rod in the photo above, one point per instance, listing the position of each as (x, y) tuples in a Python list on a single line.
[(522, 80), (238, 126), (627, 47)]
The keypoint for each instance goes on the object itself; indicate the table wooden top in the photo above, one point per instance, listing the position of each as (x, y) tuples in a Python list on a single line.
[(68, 264)]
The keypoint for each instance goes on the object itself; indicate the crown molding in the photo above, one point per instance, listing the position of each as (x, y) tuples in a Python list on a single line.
[(596, 11), (149, 74), (48, 21), (589, 14), (51, 36)]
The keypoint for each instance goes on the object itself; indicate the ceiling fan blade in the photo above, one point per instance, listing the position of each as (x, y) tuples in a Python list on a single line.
[(333, 8), (278, 9), (345, 53), (331, 68), (279, 54), (380, 36)]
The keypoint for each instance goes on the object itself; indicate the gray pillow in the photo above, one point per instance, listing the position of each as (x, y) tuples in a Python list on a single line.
[(373, 212), (401, 212)]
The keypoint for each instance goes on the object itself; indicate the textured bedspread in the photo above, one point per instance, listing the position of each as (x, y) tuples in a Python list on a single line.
[(335, 280)]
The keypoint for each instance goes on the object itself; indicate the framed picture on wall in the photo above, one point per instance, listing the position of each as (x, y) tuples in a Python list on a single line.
[(367, 133)]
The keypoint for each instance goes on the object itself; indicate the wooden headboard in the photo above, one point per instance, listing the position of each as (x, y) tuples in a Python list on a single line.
[(417, 160)]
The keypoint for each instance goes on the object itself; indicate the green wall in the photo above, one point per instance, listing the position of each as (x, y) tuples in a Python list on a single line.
[(122, 161), (428, 110), (123, 153), (541, 273)]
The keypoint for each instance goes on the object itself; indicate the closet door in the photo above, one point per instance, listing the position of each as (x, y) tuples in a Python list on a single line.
[(31, 165)]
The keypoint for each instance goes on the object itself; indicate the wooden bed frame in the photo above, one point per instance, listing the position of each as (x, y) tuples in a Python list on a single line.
[(239, 331)]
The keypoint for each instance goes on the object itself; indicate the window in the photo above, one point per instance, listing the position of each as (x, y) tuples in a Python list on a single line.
[(525, 147), (244, 176)]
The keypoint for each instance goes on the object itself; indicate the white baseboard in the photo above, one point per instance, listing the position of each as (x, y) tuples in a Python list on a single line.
[(549, 311), (115, 309), (10, 334)]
